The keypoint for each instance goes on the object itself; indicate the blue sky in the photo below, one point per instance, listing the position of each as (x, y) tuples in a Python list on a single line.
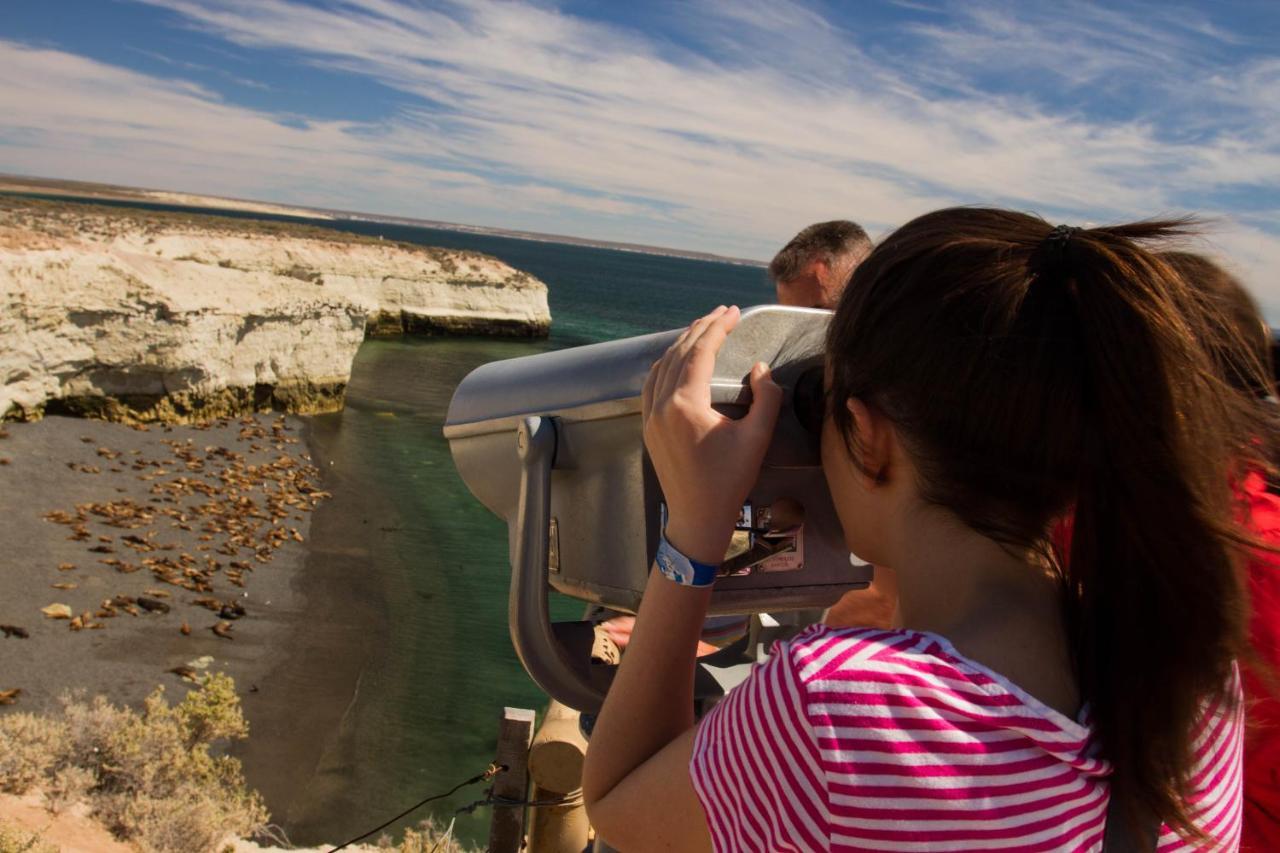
[(715, 126)]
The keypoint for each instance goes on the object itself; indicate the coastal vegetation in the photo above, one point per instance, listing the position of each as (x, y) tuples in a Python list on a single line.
[(151, 776), (15, 839), (154, 777)]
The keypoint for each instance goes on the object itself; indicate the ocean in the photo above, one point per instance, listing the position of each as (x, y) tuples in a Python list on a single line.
[(407, 574), (425, 716)]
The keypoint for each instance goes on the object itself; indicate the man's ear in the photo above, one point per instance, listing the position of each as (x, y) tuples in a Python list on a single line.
[(820, 270), (875, 441)]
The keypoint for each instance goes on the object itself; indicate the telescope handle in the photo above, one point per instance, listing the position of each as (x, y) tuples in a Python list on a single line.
[(532, 634)]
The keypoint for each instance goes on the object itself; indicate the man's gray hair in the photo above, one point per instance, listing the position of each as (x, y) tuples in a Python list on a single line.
[(826, 241)]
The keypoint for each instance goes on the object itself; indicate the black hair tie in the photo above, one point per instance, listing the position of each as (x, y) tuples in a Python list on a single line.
[(1053, 248), (1061, 235)]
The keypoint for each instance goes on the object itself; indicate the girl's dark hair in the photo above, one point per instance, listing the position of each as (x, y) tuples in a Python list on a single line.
[(1034, 374), (1244, 354)]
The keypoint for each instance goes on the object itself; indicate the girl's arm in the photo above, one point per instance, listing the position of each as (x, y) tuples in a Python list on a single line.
[(636, 780)]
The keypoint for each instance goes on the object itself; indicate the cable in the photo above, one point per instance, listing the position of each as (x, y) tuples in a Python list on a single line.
[(491, 771), (573, 798)]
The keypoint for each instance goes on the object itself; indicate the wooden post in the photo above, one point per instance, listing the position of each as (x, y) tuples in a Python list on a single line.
[(555, 767), (515, 733)]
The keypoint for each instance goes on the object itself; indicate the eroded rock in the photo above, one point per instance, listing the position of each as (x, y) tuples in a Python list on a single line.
[(148, 316)]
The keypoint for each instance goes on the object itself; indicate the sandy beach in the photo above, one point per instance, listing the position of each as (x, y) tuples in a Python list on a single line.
[(105, 511)]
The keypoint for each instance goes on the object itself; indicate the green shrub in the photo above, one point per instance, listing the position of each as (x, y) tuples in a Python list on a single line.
[(148, 776), (30, 747)]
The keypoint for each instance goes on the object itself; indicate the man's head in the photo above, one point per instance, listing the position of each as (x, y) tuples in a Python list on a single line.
[(812, 270)]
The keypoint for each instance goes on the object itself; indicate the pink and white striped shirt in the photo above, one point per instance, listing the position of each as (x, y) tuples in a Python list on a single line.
[(861, 739)]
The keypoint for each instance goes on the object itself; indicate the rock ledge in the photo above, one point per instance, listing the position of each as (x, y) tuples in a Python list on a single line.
[(149, 316)]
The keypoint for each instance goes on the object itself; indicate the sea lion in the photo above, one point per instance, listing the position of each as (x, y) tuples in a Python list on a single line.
[(231, 610), (15, 631), (223, 629), (8, 697)]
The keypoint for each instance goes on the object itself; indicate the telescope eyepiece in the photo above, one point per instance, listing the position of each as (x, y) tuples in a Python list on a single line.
[(809, 400)]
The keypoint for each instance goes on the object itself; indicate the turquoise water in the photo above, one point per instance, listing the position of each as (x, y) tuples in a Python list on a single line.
[(417, 567), (427, 709)]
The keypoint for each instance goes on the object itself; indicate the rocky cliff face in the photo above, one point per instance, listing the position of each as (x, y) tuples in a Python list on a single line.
[(149, 316)]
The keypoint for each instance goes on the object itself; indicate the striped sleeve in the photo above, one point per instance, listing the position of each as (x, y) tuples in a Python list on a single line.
[(1217, 800), (756, 765)]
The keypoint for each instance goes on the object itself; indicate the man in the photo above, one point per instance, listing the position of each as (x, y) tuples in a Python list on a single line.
[(812, 270)]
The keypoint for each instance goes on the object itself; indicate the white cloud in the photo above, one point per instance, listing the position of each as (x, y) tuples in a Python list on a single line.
[(530, 117)]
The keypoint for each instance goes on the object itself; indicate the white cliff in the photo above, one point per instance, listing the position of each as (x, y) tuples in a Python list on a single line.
[(136, 315)]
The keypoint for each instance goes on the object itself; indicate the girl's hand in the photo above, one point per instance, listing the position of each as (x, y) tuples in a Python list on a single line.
[(706, 462)]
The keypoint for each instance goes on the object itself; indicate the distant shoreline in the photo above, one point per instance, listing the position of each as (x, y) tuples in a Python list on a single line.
[(71, 190)]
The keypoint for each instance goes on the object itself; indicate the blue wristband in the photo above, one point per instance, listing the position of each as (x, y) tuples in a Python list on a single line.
[(680, 569)]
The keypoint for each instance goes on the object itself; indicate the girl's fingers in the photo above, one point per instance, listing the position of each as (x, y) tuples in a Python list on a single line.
[(692, 328), (766, 400), (684, 334), (662, 374), (696, 328), (646, 393), (677, 353), (701, 361)]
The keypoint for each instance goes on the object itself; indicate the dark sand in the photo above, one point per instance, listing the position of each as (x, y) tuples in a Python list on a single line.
[(302, 751), (297, 654)]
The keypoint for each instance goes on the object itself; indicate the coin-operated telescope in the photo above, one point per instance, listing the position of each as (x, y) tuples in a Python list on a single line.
[(553, 444)]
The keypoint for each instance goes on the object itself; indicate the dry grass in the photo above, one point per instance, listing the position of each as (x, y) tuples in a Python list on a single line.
[(429, 837), (15, 839), (148, 776)]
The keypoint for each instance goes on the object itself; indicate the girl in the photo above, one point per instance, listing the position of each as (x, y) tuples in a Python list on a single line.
[(988, 376)]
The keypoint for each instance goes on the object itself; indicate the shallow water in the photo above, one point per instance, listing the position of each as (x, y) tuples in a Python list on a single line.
[(435, 576), (393, 684), (393, 681)]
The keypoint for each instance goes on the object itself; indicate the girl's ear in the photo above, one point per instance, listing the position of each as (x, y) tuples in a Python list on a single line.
[(875, 441)]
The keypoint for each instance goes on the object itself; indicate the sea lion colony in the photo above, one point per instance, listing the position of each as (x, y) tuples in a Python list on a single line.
[(242, 512)]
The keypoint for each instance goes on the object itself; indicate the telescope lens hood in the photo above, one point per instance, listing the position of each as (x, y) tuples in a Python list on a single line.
[(809, 400)]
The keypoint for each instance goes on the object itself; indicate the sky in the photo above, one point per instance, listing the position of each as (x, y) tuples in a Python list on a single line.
[(710, 126)]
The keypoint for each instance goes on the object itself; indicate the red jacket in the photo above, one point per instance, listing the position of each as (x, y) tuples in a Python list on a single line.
[(1261, 830), (1262, 743)]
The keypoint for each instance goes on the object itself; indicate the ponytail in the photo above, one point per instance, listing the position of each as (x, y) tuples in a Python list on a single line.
[(1036, 374), (1155, 609)]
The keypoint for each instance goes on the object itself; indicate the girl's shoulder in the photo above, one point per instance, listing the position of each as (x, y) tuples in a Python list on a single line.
[(917, 674)]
